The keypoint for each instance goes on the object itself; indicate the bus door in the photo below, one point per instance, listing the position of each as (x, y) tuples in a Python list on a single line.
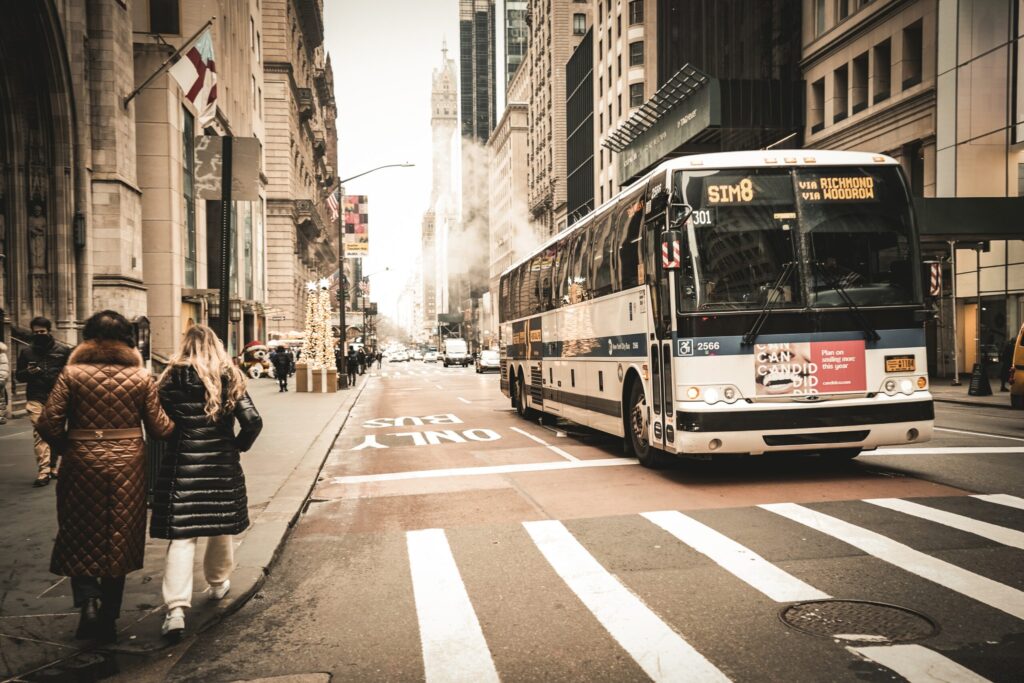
[(660, 347)]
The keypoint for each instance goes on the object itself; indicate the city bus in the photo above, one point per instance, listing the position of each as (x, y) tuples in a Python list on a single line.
[(730, 303)]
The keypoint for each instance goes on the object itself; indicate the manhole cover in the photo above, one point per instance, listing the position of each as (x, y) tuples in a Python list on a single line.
[(859, 621)]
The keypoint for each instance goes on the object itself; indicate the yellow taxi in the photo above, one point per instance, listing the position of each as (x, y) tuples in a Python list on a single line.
[(1017, 372)]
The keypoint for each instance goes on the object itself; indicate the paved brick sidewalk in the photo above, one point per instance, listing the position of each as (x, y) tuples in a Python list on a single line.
[(37, 620)]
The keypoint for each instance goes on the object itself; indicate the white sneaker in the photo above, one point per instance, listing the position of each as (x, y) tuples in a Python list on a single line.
[(218, 592), (174, 622)]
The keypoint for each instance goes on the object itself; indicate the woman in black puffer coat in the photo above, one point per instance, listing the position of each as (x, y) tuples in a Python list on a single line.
[(200, 488)]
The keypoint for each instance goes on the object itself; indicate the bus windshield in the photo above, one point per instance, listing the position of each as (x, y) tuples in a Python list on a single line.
[(846, 229)]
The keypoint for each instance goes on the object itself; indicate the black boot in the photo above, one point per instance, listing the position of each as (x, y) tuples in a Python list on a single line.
[(106, 630), (88, 622)]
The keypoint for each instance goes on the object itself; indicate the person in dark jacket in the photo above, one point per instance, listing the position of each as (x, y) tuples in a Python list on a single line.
[(1006, 362), (352, 361), (200, 488), (284, 366), (94, 417), (361, 355), (39, 365)]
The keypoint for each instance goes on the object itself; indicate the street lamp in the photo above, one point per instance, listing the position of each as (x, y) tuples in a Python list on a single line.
[(339, 187)]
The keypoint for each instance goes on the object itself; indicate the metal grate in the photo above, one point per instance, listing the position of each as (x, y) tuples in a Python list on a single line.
[(537, 385), (859, 621)]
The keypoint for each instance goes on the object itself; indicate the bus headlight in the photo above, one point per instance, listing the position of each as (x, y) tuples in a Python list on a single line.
[(713, 394), (692, 393), (906, 387)]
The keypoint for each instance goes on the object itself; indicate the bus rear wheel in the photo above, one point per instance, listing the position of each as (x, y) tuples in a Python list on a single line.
[(519, 394), (637, 431)]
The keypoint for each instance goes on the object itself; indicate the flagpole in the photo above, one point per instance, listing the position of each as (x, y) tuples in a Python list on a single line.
[(167, 62)]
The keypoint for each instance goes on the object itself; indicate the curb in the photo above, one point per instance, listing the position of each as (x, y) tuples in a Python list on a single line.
[(966, 402)]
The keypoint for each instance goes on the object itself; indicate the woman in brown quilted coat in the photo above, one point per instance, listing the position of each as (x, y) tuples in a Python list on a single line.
[(93, 418)]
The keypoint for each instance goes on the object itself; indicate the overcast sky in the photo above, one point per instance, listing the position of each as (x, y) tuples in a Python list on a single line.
[(383, 53)]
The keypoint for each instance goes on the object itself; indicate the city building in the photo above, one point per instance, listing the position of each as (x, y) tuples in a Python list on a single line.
[(440, 215), (511, 233), (298, 103), (579, 125), (181, 231), (934, 84), (517, 36), (685, 76), (556, 28)]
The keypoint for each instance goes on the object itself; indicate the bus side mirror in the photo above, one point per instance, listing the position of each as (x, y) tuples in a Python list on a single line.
[(671, 250), (678, 214)]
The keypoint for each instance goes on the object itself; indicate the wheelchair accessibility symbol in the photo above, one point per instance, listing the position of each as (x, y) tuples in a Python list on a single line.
[(685, 347)]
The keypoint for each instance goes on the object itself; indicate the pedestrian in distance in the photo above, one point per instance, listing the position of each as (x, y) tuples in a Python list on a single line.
[(361, 355), (352, 363), (284, 366), (5, 374), (39, 365), (1005, 363), (380, 359), (93, 417), (200, 488)]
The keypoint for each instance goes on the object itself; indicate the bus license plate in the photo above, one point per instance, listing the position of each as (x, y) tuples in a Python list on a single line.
[(900, 364)]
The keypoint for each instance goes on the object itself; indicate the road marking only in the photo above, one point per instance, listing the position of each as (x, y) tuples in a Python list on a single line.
[(661, 652), (918, 664), (993, 532), (980, 588), (454, 648), (965, 431), (480, 471), (1001, 499), (542, 442)]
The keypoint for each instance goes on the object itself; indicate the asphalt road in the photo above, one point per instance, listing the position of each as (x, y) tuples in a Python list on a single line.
[(556, 559)]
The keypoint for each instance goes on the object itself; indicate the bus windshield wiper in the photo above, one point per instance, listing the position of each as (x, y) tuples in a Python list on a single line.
[(869, 332), (769, 304)]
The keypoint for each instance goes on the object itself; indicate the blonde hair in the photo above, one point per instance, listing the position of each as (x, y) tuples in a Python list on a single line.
[(202, 351)]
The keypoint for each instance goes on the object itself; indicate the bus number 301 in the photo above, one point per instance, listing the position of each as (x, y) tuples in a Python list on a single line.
[(701, 217)]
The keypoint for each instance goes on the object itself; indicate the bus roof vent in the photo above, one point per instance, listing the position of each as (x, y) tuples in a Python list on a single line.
[(879, 159), (790, 160), (771, 160), (810, 160)]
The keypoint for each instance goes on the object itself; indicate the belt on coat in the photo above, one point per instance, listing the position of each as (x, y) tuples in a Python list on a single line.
[(103, 434)]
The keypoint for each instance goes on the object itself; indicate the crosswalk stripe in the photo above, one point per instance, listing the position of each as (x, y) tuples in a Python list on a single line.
[(980, 588), (737, 559), (661, 652), (1001, 499), (993, 532), (454, 648), (918, 664)]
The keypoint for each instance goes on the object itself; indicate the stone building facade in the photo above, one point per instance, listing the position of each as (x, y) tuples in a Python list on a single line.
[(556, 28), (933, 83), (298, 104)]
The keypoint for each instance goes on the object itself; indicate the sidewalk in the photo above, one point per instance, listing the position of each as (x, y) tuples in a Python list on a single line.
[(37, 620), (943, 392)]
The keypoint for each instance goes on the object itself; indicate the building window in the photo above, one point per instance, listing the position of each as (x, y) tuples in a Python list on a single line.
[(636, 53), (880, 90), (859, 84), (840, 88), (579, 24), (842, 9), (600, 122), (618, 64), (252, 34), (817, 108), (600, 86), (636, 94), (255, 106), (618, 25), (819, 17), (619, 106), (259, 48), (912, 55), (260, 99), (164, 17), (188, 168), (636, 12)]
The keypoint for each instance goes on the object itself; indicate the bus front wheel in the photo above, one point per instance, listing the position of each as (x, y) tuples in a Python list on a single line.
[(637, 431)]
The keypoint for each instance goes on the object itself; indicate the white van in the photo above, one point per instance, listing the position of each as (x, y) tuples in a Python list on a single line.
[(455, 352)]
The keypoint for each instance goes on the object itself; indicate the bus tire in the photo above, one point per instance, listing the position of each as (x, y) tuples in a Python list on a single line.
[(520, 399), (636, 431), (842, 453)]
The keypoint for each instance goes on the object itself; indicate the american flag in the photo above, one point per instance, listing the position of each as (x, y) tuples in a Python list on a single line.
[(332, 204)]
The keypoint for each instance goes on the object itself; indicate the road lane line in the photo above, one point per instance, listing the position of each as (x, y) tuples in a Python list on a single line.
[(918, 664), (993, 532), (965, 431), (439, 387), (484, 470), (952, 450), (463, 400), (454, 648), (542, 442), (740, 561), (1001, 499), (980, 588), (661, 652)]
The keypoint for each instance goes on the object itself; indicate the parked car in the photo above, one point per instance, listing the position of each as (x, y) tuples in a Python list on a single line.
[(399, 357), (416, 355), (430, 357), (488, 361)]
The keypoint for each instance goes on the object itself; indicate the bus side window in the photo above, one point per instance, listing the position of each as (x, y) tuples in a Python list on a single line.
[(578, 271), (558, 274), (547, 267), (628, 223), (601, 273)]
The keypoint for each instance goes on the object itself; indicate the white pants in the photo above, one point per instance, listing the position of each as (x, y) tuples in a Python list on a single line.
[(218, 562)]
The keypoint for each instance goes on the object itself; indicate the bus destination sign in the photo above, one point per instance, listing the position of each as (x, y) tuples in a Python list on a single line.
[(837, 188)]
